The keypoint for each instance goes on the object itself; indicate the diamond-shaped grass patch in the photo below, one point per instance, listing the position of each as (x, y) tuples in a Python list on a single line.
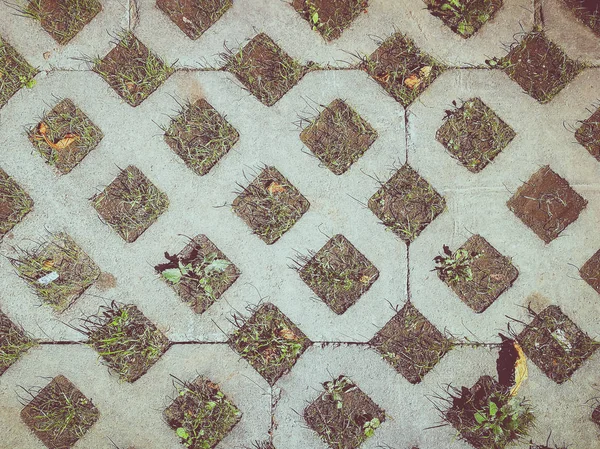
[(474, 135), (547, 204), (194, 17), (130, 204), (407, 203), (590, 271), (13, 343), (270, 205), (338, 136), (330, 17), (411, 344), (466, 17), (343, 416), (338, 273), (264, 69), (401, 68), (588, 134), (200, 136), (476, 272), (57, 270), (15, 72), (269, 341), (201, 414), (200, 273), (60, 414), (555, 344), (539, 66), (587, 11), (63, 19), (15, 203), (65, 136), (132, 70)]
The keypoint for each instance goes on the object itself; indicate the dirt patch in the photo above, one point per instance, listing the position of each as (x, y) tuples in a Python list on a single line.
[(338, 136), (587, 11), (411, 344), (590, 271), (264, 69), (270, 205), (343, 416), (105, 282), (200, 273), (130, 204), (596, 415), (200, 136), (476, 272), (15, 72), (338, 273), (13, 343), (588, 134), (192, 17), (131, 70), (474, 135), (59, 415), (555, 344), (406, 204), (464, 17), (269, 341), (63, 19), (401, 68), (15, 203), (547, 204), (65, 136), (201, 414), (330, 17)]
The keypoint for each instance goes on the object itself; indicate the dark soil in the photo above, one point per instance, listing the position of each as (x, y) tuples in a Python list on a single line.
[(555, 344), (588, 134), (590, 271), (407, 203), (13, 343), (466, 19), (401, 68), (264, 69), (130, 204), (338, 136), (547, 204), (587, 11), (15, 72), (342, 427), (338, 273), (15, 203), (270, 342), (596, 415), (192, 287), (48, 415), (200, 136), (411, 344), (492, 274), (192, 16), (330, 17), (270, 205), (63, 121), (474, 134)]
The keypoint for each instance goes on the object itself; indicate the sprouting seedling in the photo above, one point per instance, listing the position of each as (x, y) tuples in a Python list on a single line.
[(454, 267), (370, 426), (27, 82), (502, 418), (336, 387)]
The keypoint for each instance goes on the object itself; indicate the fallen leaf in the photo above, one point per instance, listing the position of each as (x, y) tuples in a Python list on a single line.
[(425, 71), (43, 128), (383, 78), (412, 82), (275, 187), (63, 143), (288, 334), (520, 369), (129, 85), (48, 264), (47, 55)]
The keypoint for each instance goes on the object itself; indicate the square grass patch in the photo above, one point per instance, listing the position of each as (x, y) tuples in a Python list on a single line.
[(474, 135), (194, 17), (269, 341), (330, 17), (62, 19), (270, 205), (555, 344), (539, 66), (264, 69), (406, 204), (132, 70), (15, 203), (588, 134), (200, 136), (200, 273), (58, 271), (59, 415), (130, 204), (201, 414), (338, 136), (411, 344), (343, 416), (65, 136), (14, 342), (476, 272), (590, 271), (587, 11), (464, 17), (401, 68), (338, 273), (15, 72), (547, 204)]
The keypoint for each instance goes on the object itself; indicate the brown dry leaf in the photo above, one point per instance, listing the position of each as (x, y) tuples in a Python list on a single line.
[(520, 369), (212, 385), (288, 334), (43, 128), (48, 264), (425, 71), (383, 78), (47, 55), (63, 143), (275, 187), (412, 82), (129, 85)]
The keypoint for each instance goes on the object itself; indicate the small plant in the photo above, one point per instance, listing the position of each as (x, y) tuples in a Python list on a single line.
[(15, 72), (335, 388), (370, 427), (210, 264), (330, 18), (455, 266), (464, 17), (14, 342)]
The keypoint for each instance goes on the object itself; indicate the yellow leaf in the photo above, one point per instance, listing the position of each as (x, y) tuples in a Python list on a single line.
[(365, 279), (288, 334), (43, 128), (67, 140), (412, 82), (425, 71), (48, 264), (275, 188), (520, 369)]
